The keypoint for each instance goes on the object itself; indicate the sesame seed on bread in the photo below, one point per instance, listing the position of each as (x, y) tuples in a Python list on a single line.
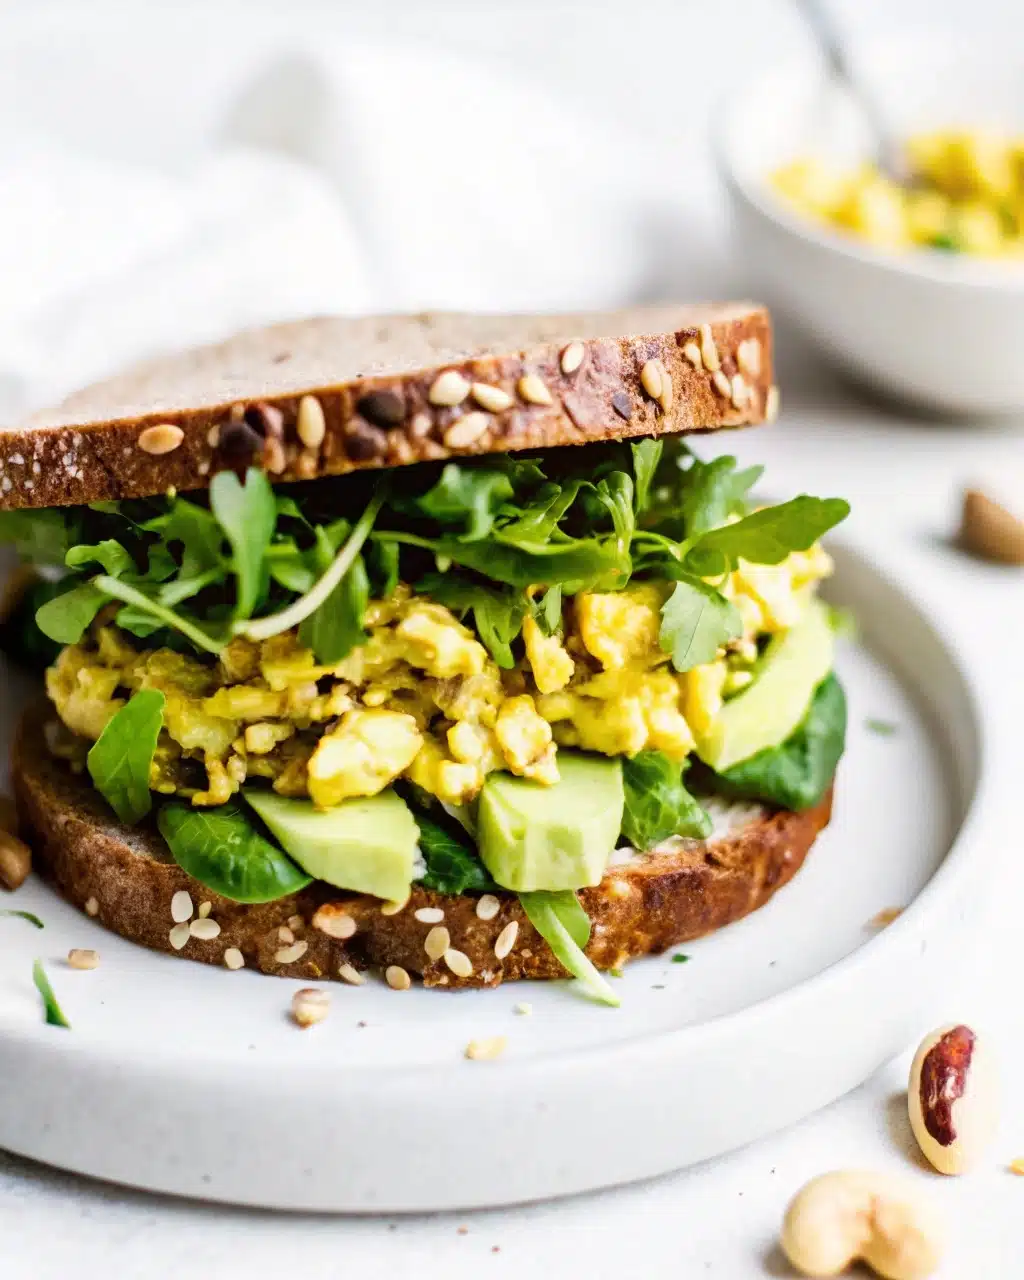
[(328, 396), (126, 878)]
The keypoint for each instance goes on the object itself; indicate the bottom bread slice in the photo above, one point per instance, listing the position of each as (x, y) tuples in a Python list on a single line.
[(126, 878)]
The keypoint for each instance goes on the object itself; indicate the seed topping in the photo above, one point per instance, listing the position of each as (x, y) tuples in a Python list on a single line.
[(179, 935), (623, 405), (334, 922), (310, 1005), (204, 929), (233, 958), (692, 352), (448, 389), (437, 942), (459, 963), (722, 384), (429, 915), (771, 404), (383, 408), (572, 357), (748, 357), (181, 907), (486, 1050), (350, 974), (650, 378), (311, 426), (487, 907), (397, 978), (289, 955), (533, 390), (493, 399), (92, 907), (708, 349), (467, 430), (164, 437), (506, 939)]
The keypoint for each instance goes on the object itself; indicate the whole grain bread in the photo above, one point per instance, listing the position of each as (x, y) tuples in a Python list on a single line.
[(126, 878), (328, 396)]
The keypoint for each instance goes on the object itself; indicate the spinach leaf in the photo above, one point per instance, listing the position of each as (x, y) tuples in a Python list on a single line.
[(108, 553), (120, 758), (24, 915), (768, 536), (248, 515), (452, 864), (556, 917), (467, 497), (41, 537), (796, 774), (67, 617), (223, 849), (696, 620), (658, 804), (51, 1007)]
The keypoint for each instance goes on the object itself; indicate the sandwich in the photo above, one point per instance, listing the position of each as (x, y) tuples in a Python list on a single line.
[(423, 644)]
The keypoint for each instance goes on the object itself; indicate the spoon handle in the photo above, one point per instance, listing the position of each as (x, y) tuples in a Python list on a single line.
[(888, 153)]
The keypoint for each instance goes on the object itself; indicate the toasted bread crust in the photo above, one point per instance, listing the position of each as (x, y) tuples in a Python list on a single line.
[(639, 908), (238, 403)]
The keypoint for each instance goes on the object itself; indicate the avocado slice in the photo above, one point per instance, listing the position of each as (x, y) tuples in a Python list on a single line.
[(533, 836), (768, 711), (367, 845)]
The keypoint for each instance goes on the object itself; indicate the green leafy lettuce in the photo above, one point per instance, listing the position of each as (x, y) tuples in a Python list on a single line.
[(658, 804), (564, 925), (120, 758)]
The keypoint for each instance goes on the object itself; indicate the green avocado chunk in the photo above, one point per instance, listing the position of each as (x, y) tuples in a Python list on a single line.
[(367, 845), (533, 836), (768, 711)]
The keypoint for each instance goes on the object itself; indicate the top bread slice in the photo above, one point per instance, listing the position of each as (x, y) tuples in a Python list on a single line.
[(327, 396)]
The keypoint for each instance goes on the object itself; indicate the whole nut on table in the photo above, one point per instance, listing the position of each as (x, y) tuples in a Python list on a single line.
[(952, 1098), (847, 1216), (990, 531)]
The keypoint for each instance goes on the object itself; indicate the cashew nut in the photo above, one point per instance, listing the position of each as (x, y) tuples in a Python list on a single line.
[(840, 1218), (952, 1098), (990, 531)]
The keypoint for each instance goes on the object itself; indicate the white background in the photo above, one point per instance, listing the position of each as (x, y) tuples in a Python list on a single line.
[(658, 67)]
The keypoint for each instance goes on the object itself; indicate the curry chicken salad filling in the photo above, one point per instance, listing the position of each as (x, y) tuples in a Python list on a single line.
[(480, 675)]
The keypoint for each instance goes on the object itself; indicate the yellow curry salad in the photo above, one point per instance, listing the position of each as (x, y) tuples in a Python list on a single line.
[(422, 698), (966, 195)]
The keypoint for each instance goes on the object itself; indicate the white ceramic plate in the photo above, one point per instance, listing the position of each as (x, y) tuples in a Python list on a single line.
[(193, 1080)]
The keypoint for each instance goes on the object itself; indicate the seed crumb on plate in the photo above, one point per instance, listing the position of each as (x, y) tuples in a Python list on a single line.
[(83, 958), (487, 1049)]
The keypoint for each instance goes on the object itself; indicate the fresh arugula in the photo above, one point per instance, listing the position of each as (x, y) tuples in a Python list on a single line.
[(224, 850), (452, 863), (696, 621), (66, 617), (796, 774), (565, 927), (108, 553), (767, 536), (248, 515), (120, 759), (52, 1011), (24, 915), (658, 804), (469, 497), (497, 613)]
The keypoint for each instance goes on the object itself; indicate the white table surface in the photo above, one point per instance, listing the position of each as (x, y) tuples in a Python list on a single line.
[(720, 1219)]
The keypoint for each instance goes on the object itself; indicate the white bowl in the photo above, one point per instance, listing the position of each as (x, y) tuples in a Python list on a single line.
[(943, 330)]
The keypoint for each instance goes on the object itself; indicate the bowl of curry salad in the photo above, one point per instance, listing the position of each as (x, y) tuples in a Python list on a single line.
[(914, 287)]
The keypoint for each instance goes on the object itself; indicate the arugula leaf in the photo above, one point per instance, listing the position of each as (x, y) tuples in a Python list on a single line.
[(768, 536), (796, 774), (223, 849), (108, 553), (24, 915), (615, 493), (646, 457), (467, 496), (557, 922), (196, 531), (248, 515), (547, 610), (382, 566), (51, 1007), (658, 804), (120, 758), (583, 560), (334, 630), (712, 492), (537, 521), (497, 615), (41, 537), (452, 864), (696, 621), (67, 617), (117, 589)]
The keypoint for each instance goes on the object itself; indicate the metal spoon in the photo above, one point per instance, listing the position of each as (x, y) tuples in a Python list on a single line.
[(889, 155)]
